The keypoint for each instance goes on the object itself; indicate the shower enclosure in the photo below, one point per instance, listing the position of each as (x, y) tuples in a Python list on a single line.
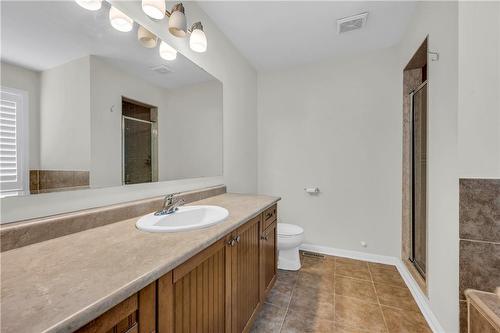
[(139, 142), (418, 177)]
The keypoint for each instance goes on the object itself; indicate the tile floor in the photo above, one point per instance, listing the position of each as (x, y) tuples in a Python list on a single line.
[(340, 295)]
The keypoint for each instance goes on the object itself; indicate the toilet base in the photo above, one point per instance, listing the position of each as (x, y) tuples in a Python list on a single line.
[(289, 260)]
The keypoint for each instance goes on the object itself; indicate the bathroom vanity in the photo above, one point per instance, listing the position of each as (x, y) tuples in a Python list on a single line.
[(116, 278)]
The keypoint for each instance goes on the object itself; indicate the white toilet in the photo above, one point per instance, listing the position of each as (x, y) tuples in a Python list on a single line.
[(290, 237)]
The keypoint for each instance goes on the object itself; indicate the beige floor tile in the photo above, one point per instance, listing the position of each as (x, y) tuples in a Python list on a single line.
[(358, 270), (376, 265), (401, 321), (345, 302), (397, 297), (281, 293), (298, 322), (359, 314), (316, 281), (342, 328), (290, 276), (350, 261), (312, 302), (323, 266), (269, 320), (360, 289), (387, 276)]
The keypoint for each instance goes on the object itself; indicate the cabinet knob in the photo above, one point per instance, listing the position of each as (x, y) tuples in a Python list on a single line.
[(232, 242), (238, 239)]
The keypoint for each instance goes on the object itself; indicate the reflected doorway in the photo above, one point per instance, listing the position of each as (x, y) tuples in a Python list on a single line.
[(139, 142)]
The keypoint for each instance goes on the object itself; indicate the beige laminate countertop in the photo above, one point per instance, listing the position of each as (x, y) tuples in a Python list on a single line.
[(63, 283)]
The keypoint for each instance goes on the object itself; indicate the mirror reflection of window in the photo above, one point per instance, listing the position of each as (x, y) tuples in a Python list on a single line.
[(13, 141)]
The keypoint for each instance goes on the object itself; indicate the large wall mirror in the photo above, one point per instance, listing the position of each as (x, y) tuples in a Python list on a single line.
[(86, 106)]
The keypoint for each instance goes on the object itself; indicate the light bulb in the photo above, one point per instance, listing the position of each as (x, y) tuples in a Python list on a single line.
[(90, 4), (154, 8), (198, 40), (167, 52), (177, 24), (120, 21), (146, 37)]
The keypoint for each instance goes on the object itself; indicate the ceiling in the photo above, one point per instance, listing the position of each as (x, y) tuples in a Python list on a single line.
[(279, 34), (43, 34)]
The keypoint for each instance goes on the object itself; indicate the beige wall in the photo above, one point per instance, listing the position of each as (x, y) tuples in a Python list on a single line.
[(65, 116), (479, 89), (439, 21), (335, 125), (191, 132)]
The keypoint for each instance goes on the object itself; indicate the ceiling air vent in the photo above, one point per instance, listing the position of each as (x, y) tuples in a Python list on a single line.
[(351, 23), (161, 69)]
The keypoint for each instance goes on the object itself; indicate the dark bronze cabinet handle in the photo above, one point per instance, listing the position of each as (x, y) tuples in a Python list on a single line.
[(238, 239), (264, 237)]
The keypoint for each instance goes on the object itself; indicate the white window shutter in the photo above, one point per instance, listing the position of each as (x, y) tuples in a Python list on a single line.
[(13, 152)]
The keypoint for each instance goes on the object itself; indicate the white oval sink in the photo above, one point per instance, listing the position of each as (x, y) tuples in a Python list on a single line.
[(185, 218)]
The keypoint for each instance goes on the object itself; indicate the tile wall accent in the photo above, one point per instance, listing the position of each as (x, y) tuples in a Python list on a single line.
[(45, 181), (479, 219), (19, 234)]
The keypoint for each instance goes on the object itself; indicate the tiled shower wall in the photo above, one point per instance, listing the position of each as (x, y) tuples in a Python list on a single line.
[(479, 238)]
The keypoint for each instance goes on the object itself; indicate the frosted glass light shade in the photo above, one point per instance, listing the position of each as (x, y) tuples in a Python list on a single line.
[(146, 37), (167, 52), (90, 4), (177, 24), (198, 41), (120, 21), (154, 8)]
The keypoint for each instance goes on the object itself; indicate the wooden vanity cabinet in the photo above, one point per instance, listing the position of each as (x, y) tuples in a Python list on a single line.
[(269, 258), (245, 273), (193, 297), (136, 314), (218, 290)]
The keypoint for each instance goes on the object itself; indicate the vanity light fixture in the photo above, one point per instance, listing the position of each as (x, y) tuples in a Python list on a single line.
[(146, 37), (154, 8), (197, 39), (167, 52), (119, 20), (177, 24), (90, 4)]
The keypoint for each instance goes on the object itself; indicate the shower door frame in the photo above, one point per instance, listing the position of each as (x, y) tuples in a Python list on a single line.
[(419, 269), (154, 149)]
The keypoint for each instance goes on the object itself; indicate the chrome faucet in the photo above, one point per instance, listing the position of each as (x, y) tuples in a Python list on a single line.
[(170, 205)]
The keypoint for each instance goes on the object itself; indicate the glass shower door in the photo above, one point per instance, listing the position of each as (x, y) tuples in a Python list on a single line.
[(419, 177)]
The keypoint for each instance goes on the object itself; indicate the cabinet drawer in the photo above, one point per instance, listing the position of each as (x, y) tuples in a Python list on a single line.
[(269, 216)]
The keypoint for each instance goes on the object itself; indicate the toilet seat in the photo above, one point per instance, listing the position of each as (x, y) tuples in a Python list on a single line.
[(289, 230)]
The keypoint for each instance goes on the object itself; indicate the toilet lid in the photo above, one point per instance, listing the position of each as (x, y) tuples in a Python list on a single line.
[(285, 229)]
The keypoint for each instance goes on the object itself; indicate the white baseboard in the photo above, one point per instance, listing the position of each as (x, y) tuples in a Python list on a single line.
[(420, 298)]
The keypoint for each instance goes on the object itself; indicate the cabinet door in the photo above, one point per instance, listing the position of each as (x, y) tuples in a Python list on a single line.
[(245, 293), (136, 314), (268, 258), (194, 299)]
